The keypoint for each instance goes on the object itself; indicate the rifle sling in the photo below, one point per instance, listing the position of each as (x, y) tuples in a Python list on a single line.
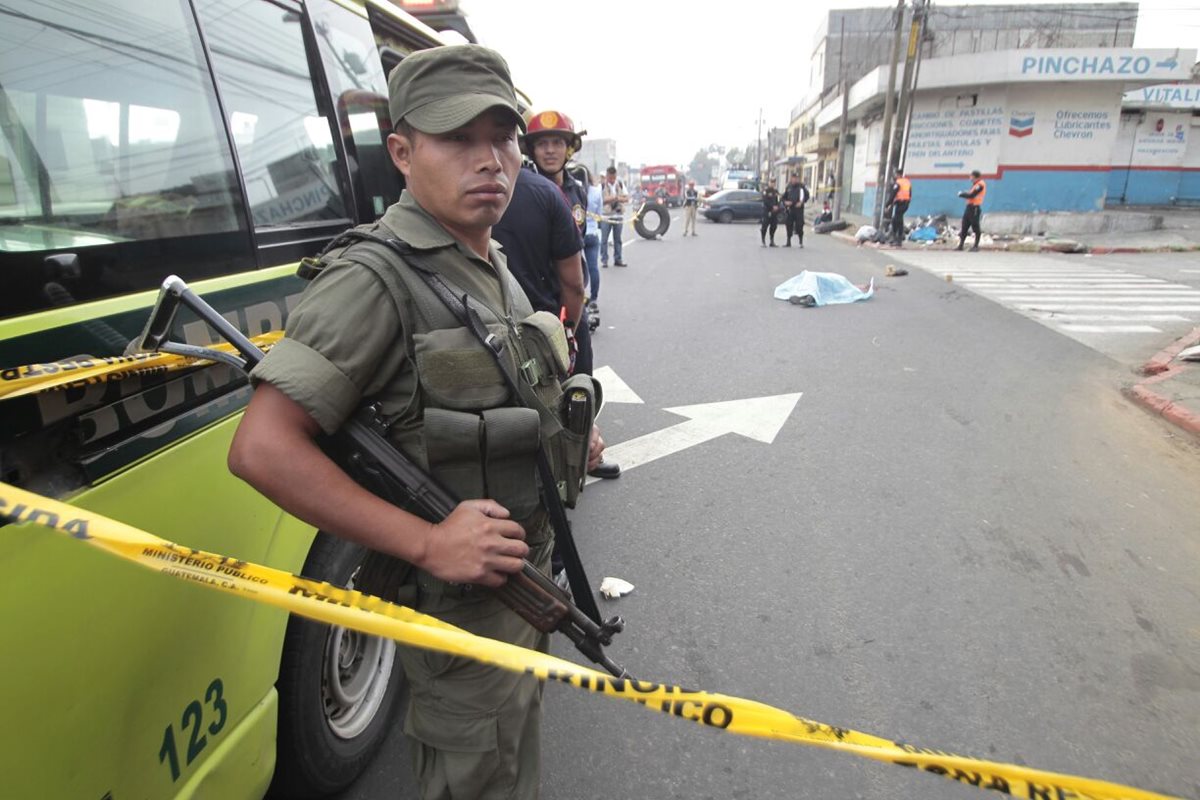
[(460, 308)]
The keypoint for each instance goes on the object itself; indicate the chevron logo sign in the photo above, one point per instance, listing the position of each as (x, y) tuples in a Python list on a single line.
[(1020, 124)]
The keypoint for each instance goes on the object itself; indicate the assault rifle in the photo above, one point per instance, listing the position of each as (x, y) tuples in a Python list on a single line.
[(361, 448)]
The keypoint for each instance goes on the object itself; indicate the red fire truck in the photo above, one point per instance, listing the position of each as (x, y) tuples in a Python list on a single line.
[(665, 178)]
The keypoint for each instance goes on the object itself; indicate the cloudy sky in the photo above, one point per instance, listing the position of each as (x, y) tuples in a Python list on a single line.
[(667, 77)]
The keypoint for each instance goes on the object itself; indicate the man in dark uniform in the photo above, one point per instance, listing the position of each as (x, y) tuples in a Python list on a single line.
[(794, 197), (973, 213), (473, 729), (770, 212), (550, 140)]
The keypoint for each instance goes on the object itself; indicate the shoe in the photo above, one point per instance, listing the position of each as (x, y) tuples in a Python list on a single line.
[(974, 249), (620, 264), (801, 245), (606, 469), (604, 264), (806, 300), (958, 249), (764, 244), (772, 244), (787, 244)]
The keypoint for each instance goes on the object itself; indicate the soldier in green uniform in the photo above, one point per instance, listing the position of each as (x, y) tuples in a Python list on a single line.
[(367, 329)]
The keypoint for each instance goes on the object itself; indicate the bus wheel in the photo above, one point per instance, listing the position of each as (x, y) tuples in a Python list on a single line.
[(338, 689), (663, 222)]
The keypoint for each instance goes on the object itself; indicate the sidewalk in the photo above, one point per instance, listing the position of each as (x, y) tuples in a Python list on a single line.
[(1167, 386), (1180, 232)]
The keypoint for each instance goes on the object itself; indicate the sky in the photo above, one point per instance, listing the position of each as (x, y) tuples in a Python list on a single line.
[(665, 78)]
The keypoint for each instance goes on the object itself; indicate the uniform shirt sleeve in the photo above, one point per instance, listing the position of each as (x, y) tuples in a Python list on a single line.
[(564, 233), (341, 344)]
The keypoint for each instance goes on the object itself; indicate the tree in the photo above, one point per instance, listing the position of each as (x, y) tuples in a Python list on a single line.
[(701, 168), (734, 156)]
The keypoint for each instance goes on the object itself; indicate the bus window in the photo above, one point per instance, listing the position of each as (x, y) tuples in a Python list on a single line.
[(284, 143), (110, 143), (356, 79)]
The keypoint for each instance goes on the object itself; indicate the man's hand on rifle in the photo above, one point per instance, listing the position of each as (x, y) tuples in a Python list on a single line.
[(477, 543)]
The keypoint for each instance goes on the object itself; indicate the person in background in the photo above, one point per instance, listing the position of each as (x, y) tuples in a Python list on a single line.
[(899, 197), (794, 198), (591, 238), (770, 213), (615, 197), (691, 200), (973, 213)]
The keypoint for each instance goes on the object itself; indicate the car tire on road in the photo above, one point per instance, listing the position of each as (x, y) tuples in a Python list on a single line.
[(725, 216), (664, 221), (338, 689)]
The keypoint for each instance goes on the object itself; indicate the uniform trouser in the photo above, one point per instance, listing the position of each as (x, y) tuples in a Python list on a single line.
[(898, 209), (591, 255), (768, 221), (474, 731), (689, 219), (794, 222), (613, 228), (971, 217)]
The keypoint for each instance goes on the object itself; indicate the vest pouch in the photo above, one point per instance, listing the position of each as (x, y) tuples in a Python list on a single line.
[(545, 343), (454, 451), (457, 372), (569, 449), (511, 443)]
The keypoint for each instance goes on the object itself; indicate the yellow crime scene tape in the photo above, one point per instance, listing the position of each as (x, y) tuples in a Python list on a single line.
[(351, 609), (59, 375)]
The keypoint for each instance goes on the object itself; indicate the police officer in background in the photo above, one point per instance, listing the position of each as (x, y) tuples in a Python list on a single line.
[(770, 213), (473, 729), (900, 195), (794, 198), (973, 213)]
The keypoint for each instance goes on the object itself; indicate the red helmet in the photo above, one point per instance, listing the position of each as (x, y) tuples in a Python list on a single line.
[(553, 122)]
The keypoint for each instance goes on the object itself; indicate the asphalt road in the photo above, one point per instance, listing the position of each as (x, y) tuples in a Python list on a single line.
[(962, 537)]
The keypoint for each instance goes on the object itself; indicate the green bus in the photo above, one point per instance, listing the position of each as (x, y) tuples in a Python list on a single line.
[(219, 140)]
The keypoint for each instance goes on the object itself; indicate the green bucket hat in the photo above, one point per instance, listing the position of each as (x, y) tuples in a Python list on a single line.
[(444, 88)]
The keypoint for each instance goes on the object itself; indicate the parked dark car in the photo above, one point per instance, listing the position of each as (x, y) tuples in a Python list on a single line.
[(730, 204)]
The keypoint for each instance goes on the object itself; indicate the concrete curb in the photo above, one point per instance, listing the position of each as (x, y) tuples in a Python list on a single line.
[(1172, 412), (1161, 361)]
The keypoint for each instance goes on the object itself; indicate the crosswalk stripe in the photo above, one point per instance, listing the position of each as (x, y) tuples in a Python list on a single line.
[(1058, 316), (1105, 307), (1110, 328), (1116, 298), (1063, 283)]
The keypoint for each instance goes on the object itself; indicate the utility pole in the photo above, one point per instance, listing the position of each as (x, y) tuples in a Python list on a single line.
[(916, 77), (758, 151), (906, 86), (888, 106), (838, 193)]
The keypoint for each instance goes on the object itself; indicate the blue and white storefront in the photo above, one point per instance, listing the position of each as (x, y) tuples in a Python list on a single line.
[(1043, 126), (1156, 159)]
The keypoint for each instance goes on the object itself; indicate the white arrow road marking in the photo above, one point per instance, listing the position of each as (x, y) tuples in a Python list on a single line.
[(615, 389), (759, 418)]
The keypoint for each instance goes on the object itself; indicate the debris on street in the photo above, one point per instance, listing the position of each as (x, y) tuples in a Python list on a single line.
[(612, 588)]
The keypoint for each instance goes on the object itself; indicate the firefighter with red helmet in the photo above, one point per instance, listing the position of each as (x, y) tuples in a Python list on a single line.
[(550, 140)]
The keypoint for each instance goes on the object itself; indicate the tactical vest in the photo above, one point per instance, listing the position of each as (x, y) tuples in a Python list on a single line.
[(461, 422), (977, 200), (903, 189)]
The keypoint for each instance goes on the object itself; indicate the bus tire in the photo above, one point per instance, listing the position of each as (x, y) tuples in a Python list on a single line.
[(338, 690), (660, 228)]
